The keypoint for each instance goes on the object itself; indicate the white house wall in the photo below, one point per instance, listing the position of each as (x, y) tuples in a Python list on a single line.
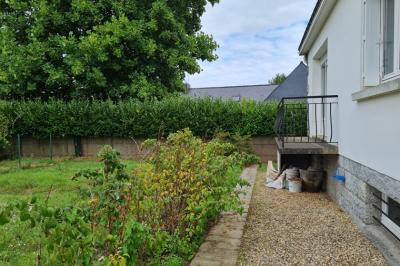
[(368, 131)]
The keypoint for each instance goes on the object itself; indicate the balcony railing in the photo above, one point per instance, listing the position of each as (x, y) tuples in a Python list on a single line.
[(309, 119)]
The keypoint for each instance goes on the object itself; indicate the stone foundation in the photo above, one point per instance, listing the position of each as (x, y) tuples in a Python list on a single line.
[(354, 195), (358, 194), (360, 190)]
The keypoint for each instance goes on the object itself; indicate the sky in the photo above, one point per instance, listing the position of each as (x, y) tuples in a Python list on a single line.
[(256, 38)]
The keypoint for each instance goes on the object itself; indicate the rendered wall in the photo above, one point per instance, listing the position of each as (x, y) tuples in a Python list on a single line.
[(368, 131)]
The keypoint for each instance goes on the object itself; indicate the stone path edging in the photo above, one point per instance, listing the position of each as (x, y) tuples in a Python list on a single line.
[(222, 244)]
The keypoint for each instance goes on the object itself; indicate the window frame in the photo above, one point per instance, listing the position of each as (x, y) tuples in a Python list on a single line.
[(393, 227), (396, 52), (324, 91), (324, 75)]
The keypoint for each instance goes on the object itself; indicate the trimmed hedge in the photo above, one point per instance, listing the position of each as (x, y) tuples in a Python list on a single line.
[(139, 119)]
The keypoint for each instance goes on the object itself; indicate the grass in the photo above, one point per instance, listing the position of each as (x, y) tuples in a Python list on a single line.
[(36, 178), (263, 167)]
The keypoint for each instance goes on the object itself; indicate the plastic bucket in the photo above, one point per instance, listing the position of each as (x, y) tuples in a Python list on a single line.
[(292, 173), (294, 186)]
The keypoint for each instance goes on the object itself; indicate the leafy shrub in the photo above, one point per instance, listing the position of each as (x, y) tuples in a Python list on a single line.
[(248, 158), (156, 216), (139, 119), (241, 143), (242, 147), (187, 176)]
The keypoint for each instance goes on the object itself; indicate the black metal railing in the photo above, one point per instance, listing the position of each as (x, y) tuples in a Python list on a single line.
[(308, 119)]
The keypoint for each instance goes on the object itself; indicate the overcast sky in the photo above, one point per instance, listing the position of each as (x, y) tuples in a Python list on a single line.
[(257, 39)]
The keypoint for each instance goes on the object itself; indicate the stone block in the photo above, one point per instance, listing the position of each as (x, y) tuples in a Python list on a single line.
[(355, 206), (357, 187), (379, 181)]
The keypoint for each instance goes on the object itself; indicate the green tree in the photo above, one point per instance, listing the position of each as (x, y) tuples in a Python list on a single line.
[(100, 49), (278, 79)]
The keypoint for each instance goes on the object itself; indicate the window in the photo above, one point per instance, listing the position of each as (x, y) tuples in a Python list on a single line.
[(388, 36), (394, 211), (391, 216), (324, 91), (381, 41), (324, 77), (236, 98)]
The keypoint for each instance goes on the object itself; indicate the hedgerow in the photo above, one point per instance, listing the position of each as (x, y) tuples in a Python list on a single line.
[(132, 118)]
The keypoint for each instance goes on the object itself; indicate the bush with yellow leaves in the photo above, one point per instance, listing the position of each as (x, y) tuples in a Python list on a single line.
[(186, 183)]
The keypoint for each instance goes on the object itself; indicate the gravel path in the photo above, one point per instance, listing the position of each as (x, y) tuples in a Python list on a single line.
[(301, 229)]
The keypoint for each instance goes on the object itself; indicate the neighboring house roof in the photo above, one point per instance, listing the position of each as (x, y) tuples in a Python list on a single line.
[(320, 14), (236, 93), (295, 85)]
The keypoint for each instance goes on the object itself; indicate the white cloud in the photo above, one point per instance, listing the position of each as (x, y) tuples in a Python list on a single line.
[(257, 39)]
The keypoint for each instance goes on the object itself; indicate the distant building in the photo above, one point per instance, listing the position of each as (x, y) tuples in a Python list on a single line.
[(294, 85), (235, 93)]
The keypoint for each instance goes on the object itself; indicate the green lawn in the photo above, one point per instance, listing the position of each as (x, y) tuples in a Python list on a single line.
[(36, 177)]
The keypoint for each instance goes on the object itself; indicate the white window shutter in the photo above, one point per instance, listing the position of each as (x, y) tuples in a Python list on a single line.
[(372, 41)]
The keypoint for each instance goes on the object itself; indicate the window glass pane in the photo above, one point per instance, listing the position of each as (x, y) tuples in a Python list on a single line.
[(388, 37), (394, 211), (324, 78), (236, 98)]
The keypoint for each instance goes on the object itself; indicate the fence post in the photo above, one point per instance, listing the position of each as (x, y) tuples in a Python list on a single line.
[(78, 146), (19, 149), (51, 147)]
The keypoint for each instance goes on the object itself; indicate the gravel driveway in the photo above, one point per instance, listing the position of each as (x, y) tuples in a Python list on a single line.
[(301, 229)]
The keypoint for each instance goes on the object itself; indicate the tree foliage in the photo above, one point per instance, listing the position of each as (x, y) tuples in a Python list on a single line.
[(100, 49), (278, 79), (4, 131)]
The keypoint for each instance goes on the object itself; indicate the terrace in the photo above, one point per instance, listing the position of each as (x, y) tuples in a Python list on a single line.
[(307, 125)]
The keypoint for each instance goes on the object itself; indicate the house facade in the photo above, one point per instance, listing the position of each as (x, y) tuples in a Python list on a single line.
[(352, 49)]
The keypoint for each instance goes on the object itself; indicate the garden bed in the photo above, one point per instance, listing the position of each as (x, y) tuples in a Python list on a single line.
[(156, 214)]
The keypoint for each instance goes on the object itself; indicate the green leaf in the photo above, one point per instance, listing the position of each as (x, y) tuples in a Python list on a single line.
[(33, 200), (46, 212), (33, 223), (50, 224), (24, 216), (3, 219)]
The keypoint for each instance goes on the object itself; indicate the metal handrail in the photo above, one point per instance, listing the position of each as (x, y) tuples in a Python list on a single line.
[(293, 119), (310, 97)]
